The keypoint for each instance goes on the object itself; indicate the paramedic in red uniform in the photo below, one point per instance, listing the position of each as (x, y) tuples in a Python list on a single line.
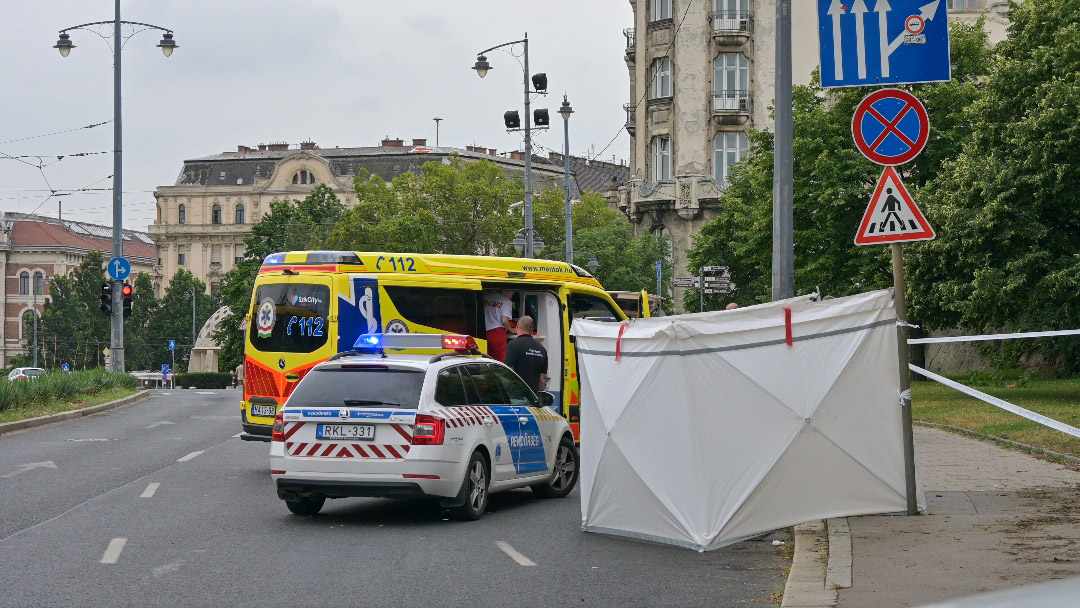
[(498, 320)]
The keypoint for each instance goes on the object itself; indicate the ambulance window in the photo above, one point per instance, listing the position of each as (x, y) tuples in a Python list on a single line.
[(591, 307), (290, 317), (456, 311), (487, 390), (515, 388), (448, 388)]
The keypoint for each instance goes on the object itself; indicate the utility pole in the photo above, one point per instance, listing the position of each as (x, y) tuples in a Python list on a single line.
[(437, 120), (528, 158), (566, 110), (116, 343), (192, 321), (33, 309), (783, 245)]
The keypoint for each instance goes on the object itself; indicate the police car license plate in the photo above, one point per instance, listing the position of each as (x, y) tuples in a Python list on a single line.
[(262, 409), (345, 431)]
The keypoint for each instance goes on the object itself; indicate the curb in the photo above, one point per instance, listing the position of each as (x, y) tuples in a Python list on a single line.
[(821, 564), (18, 425)]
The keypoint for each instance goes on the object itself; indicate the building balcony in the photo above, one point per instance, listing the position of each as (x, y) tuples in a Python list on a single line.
[(631, 118), (628, 33), (731, 27), (732, 105)]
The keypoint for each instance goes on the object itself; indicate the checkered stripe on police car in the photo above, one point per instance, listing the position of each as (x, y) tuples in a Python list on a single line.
[(467, 415)]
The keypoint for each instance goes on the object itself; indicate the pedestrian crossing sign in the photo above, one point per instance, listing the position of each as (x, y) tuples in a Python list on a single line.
[(892, 215)]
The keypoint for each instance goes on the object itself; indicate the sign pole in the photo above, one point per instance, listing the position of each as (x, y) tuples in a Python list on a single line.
[(900, 300), (701, 293)]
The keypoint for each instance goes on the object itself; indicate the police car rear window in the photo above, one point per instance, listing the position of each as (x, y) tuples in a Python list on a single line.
[(359, 386)]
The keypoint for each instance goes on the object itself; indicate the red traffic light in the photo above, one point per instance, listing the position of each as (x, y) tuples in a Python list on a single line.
[(127, 290)]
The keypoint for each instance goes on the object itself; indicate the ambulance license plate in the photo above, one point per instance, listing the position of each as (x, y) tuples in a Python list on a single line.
[(262, 409), (364, 432)]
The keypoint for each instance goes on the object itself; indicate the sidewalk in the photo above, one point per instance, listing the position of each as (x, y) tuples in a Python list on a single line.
[(997, 518)]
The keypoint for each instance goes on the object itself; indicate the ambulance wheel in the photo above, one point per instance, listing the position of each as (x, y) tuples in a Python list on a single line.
[(565, 472), (474, 490), (306, 506)]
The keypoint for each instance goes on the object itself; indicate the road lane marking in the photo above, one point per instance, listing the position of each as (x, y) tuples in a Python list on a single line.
[(89, 440), (150, 490), (30, 466), (160, 423), (112, 552), (204, 393), (514, 554), (190, 456), (168, 568), (237, 435)]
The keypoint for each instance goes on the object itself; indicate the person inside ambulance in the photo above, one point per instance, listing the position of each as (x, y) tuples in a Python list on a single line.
[(498, 320)]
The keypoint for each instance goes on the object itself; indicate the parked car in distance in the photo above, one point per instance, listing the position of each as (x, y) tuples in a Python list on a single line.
[(24, 373)]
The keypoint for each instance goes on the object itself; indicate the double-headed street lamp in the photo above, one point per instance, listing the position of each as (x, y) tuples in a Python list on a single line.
[(513, 123), (167, 46)]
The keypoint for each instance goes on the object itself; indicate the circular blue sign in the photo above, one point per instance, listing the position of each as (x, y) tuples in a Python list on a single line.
[(119, 268)]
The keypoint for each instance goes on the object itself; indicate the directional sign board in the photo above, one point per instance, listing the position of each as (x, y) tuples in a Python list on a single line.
[(686, 281), (892, 215), (890, 127), (715, 269), (875, 42), (119, 268)]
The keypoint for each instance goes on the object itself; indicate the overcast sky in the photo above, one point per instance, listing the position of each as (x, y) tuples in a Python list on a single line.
[(339, 72)]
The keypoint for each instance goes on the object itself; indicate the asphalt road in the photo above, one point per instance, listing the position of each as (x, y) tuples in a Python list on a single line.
[(158, 504)]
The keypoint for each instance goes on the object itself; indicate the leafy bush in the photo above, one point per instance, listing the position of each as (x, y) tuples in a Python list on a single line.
[(59, 386), (204, 380)]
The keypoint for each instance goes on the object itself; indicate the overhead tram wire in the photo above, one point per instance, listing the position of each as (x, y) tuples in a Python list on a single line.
[(50, 134), (648, 86)]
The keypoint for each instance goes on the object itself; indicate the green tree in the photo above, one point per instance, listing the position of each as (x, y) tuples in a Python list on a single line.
[(1006, 208), (141, 350), (290, 226), (456, 208), (833, 183), (173, 319), (73, 328)]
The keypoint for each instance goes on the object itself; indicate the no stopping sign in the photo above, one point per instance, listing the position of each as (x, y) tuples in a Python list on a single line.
[(890, 127)]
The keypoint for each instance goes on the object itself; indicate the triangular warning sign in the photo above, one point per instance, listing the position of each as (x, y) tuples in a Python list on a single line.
[(892, 215)]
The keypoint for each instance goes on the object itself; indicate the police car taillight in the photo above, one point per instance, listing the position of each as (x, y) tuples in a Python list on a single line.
[(278, 433), (428, 430), (458, 343)]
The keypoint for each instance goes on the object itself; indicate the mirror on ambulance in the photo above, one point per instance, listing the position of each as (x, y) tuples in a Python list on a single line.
[(547, 399)]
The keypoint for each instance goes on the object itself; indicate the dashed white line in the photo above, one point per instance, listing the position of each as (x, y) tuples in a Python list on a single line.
[(160, 423), (168, 568), (204, 393), (190, 456), (112, 552), (150, 490), (514, 554)]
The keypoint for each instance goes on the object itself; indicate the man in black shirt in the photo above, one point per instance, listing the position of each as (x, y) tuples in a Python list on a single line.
[(526, 356)]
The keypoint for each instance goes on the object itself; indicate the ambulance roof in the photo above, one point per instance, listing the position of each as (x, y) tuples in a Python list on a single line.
[(431, 264)]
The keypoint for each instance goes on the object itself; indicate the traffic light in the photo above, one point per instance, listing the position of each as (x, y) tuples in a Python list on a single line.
[(127, 291), (512, 119), (106, 297), (541, 118)]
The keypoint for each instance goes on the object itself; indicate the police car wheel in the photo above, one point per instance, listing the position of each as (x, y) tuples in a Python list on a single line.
[(474, 490), (564, 474), (306, 505)]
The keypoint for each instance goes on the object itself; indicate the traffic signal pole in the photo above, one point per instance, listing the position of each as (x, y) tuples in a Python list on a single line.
[(116, 342)]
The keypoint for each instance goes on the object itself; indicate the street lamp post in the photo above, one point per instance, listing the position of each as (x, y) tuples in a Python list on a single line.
[(437, 120), (565, 110), (539, 82), (167, 46)]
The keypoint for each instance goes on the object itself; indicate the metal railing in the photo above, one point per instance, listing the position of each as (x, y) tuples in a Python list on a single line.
[(731, 102), (731, 22)]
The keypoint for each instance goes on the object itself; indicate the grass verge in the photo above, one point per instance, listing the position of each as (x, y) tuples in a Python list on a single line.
[(60, 392), (1057, 399)]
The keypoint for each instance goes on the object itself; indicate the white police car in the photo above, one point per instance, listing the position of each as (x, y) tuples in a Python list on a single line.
[(454, 426)]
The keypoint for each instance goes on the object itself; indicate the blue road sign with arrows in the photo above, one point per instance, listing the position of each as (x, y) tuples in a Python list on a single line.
[(119, 269), (172, 345), (877, 42)]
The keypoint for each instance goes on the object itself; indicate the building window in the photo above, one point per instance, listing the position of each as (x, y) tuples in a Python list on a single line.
[(731, 15), (215, 214), (659, 10), (215, 253), (215, 290), (731, 81), (303, 177), (729, 147), (181, 257), (181, 214), (965, 5), (238, 218), (661, 77), (39, 283), (24, 283), (661, 159)]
